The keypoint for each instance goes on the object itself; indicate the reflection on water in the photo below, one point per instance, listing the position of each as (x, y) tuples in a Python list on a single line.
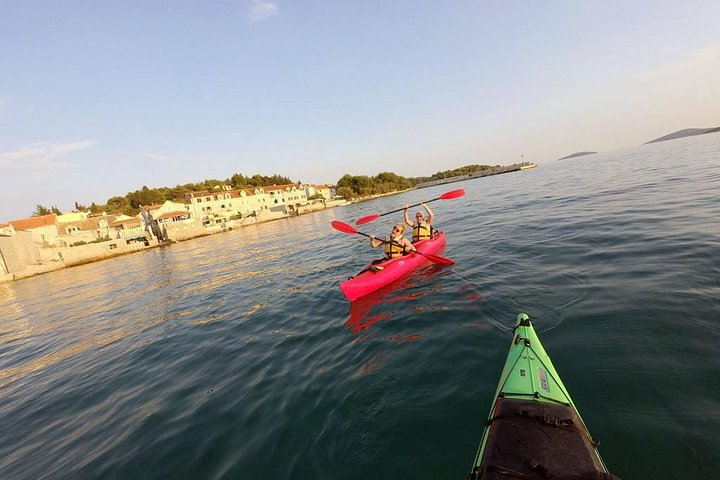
[(213, 358), (368, 310)]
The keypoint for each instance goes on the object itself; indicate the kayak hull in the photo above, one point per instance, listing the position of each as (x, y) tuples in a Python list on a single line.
[(534, 429), (369, 281)]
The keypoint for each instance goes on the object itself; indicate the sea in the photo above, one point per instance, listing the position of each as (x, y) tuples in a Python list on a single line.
[(236, 356)]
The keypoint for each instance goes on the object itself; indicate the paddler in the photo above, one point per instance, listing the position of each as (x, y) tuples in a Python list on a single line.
[(422, 227), (396, 246)]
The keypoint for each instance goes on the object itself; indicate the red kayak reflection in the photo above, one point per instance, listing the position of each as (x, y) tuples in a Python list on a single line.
[(361, 310)]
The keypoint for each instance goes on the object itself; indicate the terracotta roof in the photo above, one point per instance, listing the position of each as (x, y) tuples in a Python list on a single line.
[(172, 214), (251, 191), (90, 223), (150, 208), (281, 187), (34, 222)]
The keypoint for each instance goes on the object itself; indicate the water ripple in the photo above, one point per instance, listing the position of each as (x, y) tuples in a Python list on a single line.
[(236, 356)]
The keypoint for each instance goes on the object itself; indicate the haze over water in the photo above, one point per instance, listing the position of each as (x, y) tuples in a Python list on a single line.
[(236, 355)]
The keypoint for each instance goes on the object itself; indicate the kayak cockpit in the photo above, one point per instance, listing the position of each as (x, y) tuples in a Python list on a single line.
[(537, 440)]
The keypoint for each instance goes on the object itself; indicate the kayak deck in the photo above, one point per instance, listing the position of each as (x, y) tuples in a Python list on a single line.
[(534, 430), (369, 281)]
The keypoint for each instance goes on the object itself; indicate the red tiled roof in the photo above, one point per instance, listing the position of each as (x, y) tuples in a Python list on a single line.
[(281, 187), (251, 191), (34, 222)]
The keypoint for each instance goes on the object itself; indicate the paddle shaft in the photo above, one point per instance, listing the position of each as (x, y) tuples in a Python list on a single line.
[(409, 206)]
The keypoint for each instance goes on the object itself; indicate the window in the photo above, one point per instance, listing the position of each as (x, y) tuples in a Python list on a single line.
[(113, 246)]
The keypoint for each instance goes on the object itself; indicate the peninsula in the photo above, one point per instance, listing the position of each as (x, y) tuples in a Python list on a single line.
[(688, 132), (578, 154)]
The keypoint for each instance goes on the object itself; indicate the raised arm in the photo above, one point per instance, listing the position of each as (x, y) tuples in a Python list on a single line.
[(430, 214), (407, 218)]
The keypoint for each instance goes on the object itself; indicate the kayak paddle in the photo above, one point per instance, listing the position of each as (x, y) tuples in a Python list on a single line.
[(346, 228), (445, 196)]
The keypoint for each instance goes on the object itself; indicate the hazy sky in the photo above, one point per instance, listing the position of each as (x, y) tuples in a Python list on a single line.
[(98, 98)]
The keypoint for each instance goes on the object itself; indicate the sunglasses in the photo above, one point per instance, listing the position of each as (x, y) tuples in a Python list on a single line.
[(395, 229)]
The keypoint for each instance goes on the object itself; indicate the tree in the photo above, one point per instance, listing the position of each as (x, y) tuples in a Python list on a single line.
[(41, 210), (119, 205), (345, 192)]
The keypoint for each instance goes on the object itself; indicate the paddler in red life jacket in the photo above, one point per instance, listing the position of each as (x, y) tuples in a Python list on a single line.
[(422, 227), (397, 245)]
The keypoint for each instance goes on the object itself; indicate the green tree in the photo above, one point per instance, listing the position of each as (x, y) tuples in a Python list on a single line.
[(120, 205), (345, 192), (41, 210)]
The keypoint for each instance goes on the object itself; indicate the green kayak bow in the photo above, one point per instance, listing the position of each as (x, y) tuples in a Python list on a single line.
[(534, 430)]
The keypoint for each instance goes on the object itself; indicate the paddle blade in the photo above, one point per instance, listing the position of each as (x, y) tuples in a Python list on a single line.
[(368, 219), (437, 259), (343, 227), (452, 194)]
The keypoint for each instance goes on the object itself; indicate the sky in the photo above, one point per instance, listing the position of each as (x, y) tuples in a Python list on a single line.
[(99, 98)]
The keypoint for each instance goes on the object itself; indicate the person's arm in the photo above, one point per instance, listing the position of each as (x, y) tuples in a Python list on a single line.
[(430, 214), (407, 219), (374, 242), (407, 245)]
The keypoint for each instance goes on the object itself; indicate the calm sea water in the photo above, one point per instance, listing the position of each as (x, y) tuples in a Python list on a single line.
[(236, 355)]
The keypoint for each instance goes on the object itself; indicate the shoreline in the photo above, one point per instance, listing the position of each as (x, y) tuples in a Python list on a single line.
[(53, 259), (516, 167)]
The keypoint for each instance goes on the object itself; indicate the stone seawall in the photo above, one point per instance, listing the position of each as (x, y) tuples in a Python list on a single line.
[(50, 259), (93, 252), (180, 231)]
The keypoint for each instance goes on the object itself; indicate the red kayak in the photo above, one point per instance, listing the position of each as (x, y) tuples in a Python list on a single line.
[(368, 281)]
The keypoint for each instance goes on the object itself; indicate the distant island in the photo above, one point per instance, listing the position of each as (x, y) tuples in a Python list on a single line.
[(578, 154), (688, 132)]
